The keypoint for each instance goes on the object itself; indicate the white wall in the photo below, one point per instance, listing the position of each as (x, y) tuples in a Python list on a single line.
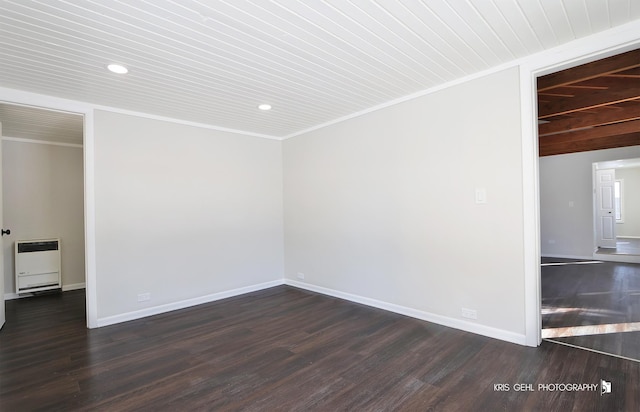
[(44, 198), (182, 212), (566, 200), (631, 219), (382, 206)]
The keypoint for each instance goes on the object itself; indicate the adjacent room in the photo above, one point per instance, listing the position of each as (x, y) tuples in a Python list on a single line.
[(43, 192), (329, 205), (590, 209)]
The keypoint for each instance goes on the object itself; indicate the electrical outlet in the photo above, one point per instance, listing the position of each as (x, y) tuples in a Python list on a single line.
[(469, 313), (300, 276), (143, 297)]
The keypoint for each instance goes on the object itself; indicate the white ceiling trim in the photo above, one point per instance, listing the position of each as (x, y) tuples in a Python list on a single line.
[(184, 122), (409, 97), (35, 141), (30, 99), (25, 98), (598, 46)]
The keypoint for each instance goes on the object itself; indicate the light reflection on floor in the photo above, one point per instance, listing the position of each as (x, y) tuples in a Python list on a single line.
[(593, 305), (587, 312), (590, 330)]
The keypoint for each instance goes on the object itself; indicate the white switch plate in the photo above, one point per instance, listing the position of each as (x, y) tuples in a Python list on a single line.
[(481, 195)]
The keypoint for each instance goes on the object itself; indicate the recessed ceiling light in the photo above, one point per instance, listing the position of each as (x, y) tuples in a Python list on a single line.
[(264, 106), (117, 68)]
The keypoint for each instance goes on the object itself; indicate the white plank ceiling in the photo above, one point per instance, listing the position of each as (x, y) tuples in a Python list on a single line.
[(314, 61)]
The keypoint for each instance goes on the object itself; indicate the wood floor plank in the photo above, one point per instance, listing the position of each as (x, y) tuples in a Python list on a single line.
[(284, 349)]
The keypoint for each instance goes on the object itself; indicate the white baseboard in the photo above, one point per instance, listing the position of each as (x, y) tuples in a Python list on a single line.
[(418, 314), (403, 310), (617, 258), (73, 286), (11, 296), (156, 310), (558, 256)]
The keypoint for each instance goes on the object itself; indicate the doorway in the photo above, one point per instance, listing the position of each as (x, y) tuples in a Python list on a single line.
[(43, 188), (624, 200), (587, 114)]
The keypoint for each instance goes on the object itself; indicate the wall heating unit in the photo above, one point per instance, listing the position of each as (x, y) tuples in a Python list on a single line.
[(37, 265)]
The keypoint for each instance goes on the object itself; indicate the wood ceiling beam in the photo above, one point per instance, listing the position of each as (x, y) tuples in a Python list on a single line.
[(625, 140), (555, 94), (602, 81), (589, 120), (613, 64), (580, 86), (596, 99), (625, 76), (599, 132)]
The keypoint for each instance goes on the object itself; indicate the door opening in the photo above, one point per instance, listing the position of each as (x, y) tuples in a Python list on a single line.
[(43, 189), (586, 302)]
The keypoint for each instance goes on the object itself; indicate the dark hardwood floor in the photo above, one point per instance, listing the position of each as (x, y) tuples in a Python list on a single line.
[(285, 349), (605, 293)]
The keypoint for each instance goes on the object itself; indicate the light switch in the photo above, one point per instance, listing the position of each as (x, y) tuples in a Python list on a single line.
[(481, 195)]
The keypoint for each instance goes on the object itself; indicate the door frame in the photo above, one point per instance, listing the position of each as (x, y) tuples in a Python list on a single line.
[(18, 97), (613, 164), (3, 317), (598, 227), (598, 46)]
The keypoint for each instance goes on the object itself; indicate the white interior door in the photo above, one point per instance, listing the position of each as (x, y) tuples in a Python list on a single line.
[(2, 277), (605, 208)]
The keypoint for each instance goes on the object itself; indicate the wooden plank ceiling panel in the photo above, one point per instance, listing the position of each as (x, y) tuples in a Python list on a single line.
[(590, 107)]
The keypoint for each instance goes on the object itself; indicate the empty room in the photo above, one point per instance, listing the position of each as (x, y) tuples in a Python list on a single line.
[(302, 205)]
